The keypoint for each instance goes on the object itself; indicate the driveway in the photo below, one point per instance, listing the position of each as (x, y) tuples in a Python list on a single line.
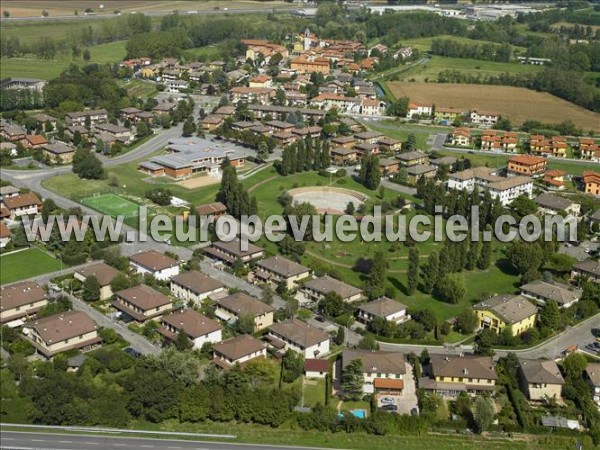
[(405, 401)]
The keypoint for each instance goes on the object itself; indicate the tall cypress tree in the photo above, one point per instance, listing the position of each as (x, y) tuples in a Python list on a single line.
[(485, 258), (430, 273), (413, 269)]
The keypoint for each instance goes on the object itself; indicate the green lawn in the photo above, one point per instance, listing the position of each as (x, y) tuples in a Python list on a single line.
[(32, 67), (401, 131), (26, 264), (437, 64), (424, 44), (314, 392), (112, 205)]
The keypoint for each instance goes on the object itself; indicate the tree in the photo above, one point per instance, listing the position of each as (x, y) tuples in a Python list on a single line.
[(142, 129), (86, 55), (451, 288), (368, 343), (267, 295), (413, 269), (189, 127), (466, 322), (99, 145), (485, 257), (245, 324), (160, 196), (293, 366), (411, 142), (549, 317), (332, 305), (340, 337), (430, 273), (182, 342), (352, 381), (350, 209), (87, 166), (370, 173), (91, 289), (375, 282), (525, 257), (484, 413), (523, 206)]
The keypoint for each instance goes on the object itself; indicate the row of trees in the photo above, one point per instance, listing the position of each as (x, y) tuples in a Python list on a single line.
[(456, 49), (233, 194), (303, 156)]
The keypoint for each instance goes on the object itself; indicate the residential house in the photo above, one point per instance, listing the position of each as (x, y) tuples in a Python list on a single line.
[(414, 158), (389, 145), (260, 81), (316, 368), (92, 115), (589, 269), (451, 375), (312, 132), (416, 110), (483, 118), (70, 330), (142, 303), (238, 350), (43, 118), (23, 205), (72, 130), (448, 161), (368, 137), (199, 328), (195, 286), (447, 116), (388, 167), (251, 95), (415, 173), (385, 308), (8, 191), (122, 134), (326, 101), (372, 107), (281, 271), (12, 132), (591, 182), (177, 86), (589, 149), (33, 141), (306, 64), (383, 372), (540, 380), (592, 375), (370, 149), (164, 107), (212, 122), (279, 126), (300, 337), (461, 137), (514, 311), (59, 153), (347, 142), (541, 292), (552, 204), (232, 307), (230, 252), (103, 273), (5, 234), (554, 179), (212, 210), (527, 165), (343, 156), (21, 300), (318, 288), (159, 265)]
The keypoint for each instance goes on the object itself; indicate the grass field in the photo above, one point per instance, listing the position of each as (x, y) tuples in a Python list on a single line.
[(424, 44), (437, 64), (112, 205), (518, 104), (47, 69), (26, 264)]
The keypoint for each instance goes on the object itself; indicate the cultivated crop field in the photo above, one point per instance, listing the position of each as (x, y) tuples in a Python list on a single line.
[(518, 104)]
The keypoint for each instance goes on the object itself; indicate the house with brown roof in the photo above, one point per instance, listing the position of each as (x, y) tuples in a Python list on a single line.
[(554, 179), (230, 252), (385, 308), (451, 375), (71, 330), (368, 137), (103, 273), (199, 328), (592, 375), (212, 122), (142, 303), (23, 204), (389, 145), (383, 372), (415, 173), (212, 210), (415, 158), (541, 292), (232, 307), (159, 265), (540, 380), (238, 350), (527, 165), (389, 166), (300, 337), (33, 141), (589, 269), (195, 286), (59, 152), (5, 235), (460, 137), (316, 368), (501, 311), (343, 156), (553, 204), (344, 141), (21, 300), (316, 289), (278, 270), (591, 182)]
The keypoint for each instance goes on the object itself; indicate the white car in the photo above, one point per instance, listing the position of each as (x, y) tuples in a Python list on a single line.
[(387, 401)]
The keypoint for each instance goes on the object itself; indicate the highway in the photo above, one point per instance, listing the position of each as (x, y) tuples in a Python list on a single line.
[(17, 440)]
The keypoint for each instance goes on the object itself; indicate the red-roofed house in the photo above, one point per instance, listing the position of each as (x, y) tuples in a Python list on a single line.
[(316, 368), (527, 165), (554, 179)]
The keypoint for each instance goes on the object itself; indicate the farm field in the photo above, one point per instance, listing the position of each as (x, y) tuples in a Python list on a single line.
[(26, 264), (22, 8), (47, 69), (437, 64), (518, 104), (424, 44)]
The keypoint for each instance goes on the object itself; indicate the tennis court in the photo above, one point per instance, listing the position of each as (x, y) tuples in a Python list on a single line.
[(112, 205)]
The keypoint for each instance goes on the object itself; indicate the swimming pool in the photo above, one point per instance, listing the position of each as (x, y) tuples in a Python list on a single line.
[(360, 413)]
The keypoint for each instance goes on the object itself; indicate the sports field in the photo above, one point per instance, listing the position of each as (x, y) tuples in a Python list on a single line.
[(112, 205), (26, 264), (518, 104)]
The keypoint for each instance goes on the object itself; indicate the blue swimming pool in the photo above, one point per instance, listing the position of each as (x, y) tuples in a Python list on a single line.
[(360, 413)]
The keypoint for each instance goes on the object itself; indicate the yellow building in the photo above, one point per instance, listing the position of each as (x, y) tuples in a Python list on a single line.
[(501, 311)]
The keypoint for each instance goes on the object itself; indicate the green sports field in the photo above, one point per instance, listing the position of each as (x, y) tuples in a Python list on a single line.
[(26, 264), (112, 205)]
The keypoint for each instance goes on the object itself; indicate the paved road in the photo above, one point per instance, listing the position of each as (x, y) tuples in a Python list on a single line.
[(50, 441)]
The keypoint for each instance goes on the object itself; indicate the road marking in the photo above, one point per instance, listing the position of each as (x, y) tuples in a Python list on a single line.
[(66, 442), (147, 446)]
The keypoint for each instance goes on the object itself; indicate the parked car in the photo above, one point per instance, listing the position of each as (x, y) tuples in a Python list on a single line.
[(132, 352), (387, 401), (390, 408)]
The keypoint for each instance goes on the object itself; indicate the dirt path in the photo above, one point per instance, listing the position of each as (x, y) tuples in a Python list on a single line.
[(345, 266), (257, 185)]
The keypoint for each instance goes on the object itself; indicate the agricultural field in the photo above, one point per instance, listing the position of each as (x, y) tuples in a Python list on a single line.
[(47, 69), (26, 264), (518, 104), (23, 8), (437, 64)]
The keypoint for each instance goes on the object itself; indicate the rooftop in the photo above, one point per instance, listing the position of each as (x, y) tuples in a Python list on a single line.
[(383, 307), (103, 272), (299, 332), (63, 326), (20, 294), (561, 294), (191, 322), (282, 266), (239, 346), (144, 297), (197, 282), (153, 260), (544, 372), (326, 284), (376, 361), (509, 308), (481, 367), (242, 304)]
